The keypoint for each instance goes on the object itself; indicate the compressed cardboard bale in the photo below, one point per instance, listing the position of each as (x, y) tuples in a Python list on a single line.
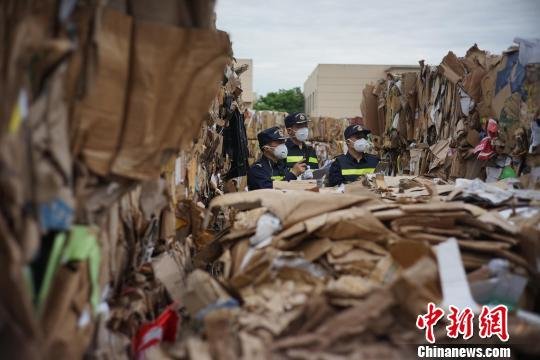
[(202, 290), (171, 12), (325, 128), (169, 93), (336, 225), (25, 30), (418, 285), (321, 128), (287, 206), (219, 329), (475, 58), (168, 271), (66, 334), (322, 150), (268, 120), (532, 86), (353, 321), (472, 83), (250, 120), (51, 167), (312, 125), (409, 88), (488, 88), (274, 305), (312, 250), (500, 99), (348, 286), (280, 119), (295, 185), (337, 129), (18, 314), (417, 158), (452, 68), (98, 117)]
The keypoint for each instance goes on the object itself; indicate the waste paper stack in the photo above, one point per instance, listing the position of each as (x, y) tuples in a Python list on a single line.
[(123, 125), (437, 121), (326, 134), (97, 102), (346, 272), (327, 129)]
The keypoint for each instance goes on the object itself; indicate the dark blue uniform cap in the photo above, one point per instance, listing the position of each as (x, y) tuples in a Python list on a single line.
[(355, 129), (268, 135), (296, 118)]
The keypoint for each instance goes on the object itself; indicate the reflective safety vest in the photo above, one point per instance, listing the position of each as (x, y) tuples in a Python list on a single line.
[(357, 171), (264, 172), (312, 160), (295, 154), (352, 169)]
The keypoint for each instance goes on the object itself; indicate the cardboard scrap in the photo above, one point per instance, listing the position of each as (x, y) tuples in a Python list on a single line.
[(167, 271), (201, 291), (152, 128), (97, 113), (295, 185)]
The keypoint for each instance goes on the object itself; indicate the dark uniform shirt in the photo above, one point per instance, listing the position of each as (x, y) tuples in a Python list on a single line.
[(295, 154), (346, 168), (264, 171)]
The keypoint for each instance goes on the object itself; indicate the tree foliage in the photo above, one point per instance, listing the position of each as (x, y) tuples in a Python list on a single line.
[(290, 101)]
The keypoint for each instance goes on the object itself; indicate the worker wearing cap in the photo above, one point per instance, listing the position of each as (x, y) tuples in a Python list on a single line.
[(271, 165), (297, 128), (348, 167)]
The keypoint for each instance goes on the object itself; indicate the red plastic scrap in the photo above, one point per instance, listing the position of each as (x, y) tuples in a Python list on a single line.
[(492, 128), (484, 150), (164, 328)]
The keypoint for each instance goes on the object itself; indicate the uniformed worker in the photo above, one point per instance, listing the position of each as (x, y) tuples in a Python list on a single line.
[(297, 128), (348, 167), (271, 165)]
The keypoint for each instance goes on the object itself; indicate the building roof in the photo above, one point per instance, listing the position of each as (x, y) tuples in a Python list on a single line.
[(403, 67)]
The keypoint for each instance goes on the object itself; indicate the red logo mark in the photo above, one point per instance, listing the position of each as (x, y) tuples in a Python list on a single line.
[(494, 322), (429, 320), (460, 323)]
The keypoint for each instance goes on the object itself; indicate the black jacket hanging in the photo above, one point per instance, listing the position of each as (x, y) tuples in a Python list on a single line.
[(235, 143)]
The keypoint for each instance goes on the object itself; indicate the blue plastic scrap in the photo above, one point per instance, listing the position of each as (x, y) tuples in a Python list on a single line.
[(56, 215), (513, 72)]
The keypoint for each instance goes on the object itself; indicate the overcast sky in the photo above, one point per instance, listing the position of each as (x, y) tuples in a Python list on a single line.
[(287, 38)]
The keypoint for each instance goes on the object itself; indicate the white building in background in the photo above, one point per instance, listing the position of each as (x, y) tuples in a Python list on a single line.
[(335, 90), (248, 96)]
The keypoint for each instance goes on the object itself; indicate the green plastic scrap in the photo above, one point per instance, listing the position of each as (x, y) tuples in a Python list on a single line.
[(507, 173), (52, 266), (82, 245)]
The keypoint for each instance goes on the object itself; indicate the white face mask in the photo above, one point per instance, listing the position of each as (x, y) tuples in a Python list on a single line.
[(361, 145), (280, 151), (302, 134)]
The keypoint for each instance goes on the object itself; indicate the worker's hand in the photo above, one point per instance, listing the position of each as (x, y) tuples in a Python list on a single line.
[(299, 168), (307, 175)]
